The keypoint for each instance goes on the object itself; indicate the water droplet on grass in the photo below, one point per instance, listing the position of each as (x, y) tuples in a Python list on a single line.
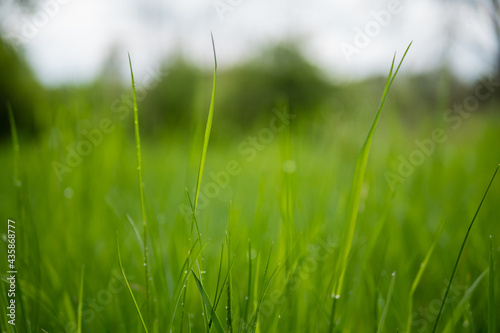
[(68, 192), (289, 166)]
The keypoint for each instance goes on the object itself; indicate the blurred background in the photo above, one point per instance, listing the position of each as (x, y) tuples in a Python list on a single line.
[(314, 53)]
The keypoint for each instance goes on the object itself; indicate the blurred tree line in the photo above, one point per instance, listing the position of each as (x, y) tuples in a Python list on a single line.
[(245, 93)]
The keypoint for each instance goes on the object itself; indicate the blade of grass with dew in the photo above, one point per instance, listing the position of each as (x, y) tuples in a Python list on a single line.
[(208, 304), (80, 301), (181, 284), (128, 285), (266, 270), (415, 283), (183, 311), (491, 289), (141, 187), (354, 198), (461, 250), (216, 298), (253, 322), (464, 301), (387, 302)]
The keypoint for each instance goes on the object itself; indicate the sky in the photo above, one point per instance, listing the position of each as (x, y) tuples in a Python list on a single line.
[(70, 41)]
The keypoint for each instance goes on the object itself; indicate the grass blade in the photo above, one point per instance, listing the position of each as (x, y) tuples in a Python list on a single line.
[(491, 298), (249, 284), (208, 129), (183, 277), (354, 198), (208, 304), (414, 286), (464, 301), (216, 298), (357, 184), (141, 186), (461, 250), (128, 285), (253, 322), (387, 302), (80, 301), (229, 319)]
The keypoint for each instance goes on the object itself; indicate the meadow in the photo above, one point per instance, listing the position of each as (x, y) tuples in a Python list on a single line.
[(302, 224)]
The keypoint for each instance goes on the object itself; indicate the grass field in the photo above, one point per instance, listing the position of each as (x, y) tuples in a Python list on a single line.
[(270, 245)]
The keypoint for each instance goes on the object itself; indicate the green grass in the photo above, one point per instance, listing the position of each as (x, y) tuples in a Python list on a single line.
[(276, 241)]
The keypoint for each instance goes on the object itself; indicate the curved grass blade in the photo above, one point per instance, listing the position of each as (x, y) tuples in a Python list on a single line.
[(491, 297), (80, 301), (141, 187), (357, 184), (461, 250), (414, 286), (208, 129), (387, 302), (465, 299), (355, 195), (128, 285), (208, 304)]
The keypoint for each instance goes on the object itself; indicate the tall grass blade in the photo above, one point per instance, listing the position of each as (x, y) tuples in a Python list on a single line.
[(208, 304), (491, 297), (387, 302), (357, 184), (354, 198), (415, 283), (80, 301), (461, 250), (128, 285), (208, 129), (141, 186), (206, 139)]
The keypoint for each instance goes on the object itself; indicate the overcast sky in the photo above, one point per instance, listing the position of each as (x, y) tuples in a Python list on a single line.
[(70, 40)]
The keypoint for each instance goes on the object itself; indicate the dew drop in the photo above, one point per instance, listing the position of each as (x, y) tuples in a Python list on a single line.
[(68, 192)]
